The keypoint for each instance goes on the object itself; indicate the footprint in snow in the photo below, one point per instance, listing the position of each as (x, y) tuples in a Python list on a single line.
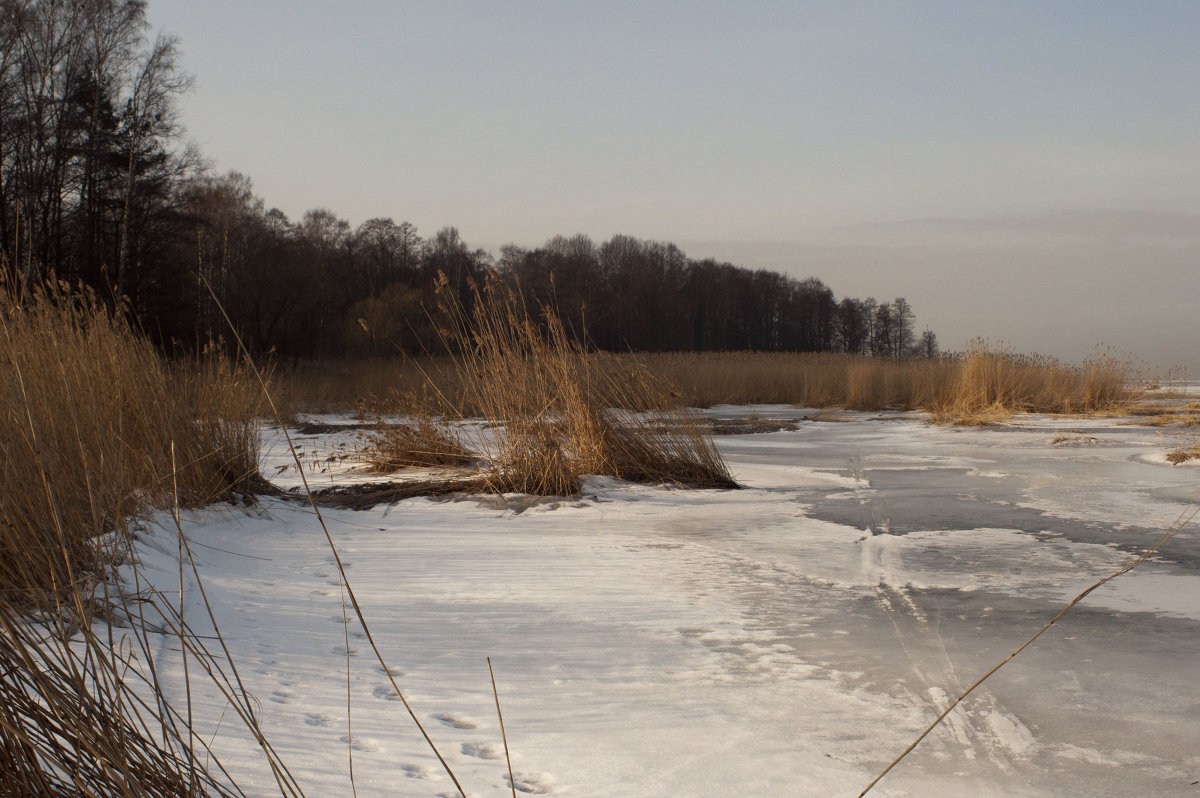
[(317, 719), (366, 744), (341, 651), (281, 696), (391, 671), (386, 693), (456, 721), (416, 771), (483, 750), (531, 783)]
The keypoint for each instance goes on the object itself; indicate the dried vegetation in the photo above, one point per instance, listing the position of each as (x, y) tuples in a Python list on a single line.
[(983, 385), (991, 385), (95, 429), (555, 411)]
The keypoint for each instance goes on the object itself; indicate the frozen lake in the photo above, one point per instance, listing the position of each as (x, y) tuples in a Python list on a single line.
[(790, 638)]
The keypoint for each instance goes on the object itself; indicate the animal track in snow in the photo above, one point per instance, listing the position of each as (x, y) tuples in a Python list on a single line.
[(386, 693), (341, 651), (282, 696), (363, 744), (392, 671), (317, 719), (532, 783), (456, 721), (416, 771), (483, 750)]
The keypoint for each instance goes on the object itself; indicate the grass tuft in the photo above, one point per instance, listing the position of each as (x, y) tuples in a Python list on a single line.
[(1184, 453), (417, 441)]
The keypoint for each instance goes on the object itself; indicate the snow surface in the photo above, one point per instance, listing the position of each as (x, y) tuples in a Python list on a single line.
[(787, 639)]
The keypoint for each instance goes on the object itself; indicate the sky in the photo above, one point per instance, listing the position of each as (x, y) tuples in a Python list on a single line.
[(1023, 172)]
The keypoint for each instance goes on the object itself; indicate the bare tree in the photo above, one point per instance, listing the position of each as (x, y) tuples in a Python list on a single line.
[(150, 117), (928, 344), (902, 325)]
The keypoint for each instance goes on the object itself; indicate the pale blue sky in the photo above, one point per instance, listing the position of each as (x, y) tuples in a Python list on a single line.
[(1023, 171)]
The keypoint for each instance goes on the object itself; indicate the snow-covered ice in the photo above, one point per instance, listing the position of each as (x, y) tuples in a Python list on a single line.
[(787, 639)]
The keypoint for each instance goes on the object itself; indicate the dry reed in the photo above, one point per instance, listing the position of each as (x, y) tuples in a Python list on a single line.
[(417, 441), (993, 384), (90, 416), (557, 411), (980, 386), (1184, 453), (96, 428)]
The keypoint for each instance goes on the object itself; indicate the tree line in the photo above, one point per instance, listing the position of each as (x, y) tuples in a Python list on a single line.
[(98, 186)]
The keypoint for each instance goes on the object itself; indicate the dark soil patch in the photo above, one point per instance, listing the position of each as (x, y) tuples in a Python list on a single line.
[(317, 428), (750, 426), (364, 497)]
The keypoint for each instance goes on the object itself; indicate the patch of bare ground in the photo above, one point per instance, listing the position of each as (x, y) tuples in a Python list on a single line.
[(750, 426), (320, 428), (366, 496)]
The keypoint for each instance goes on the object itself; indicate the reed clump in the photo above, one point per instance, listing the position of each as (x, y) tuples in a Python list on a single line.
[(992, 384), (555, 410), (95, 428)]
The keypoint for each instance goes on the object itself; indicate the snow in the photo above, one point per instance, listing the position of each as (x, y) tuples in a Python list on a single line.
[(790, 638)]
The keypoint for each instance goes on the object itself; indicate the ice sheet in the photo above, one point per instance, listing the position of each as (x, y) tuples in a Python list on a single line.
[(789, 638)]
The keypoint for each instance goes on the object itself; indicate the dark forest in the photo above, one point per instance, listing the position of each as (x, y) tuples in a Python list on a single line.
[(99, 187)]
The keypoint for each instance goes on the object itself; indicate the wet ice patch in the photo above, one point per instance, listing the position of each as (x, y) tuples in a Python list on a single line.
[(1001, 560), (1175, 595)]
